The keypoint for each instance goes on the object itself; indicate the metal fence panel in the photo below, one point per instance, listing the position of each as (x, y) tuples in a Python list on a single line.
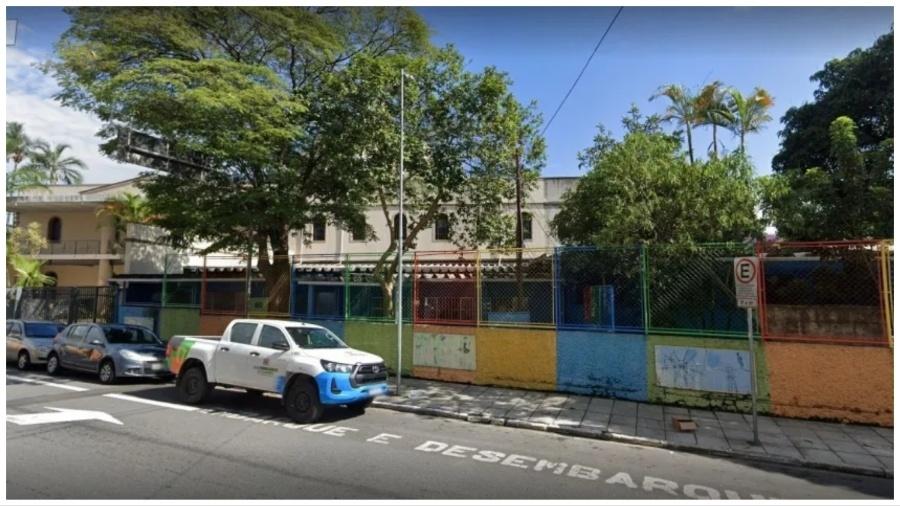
[(446, 287), (824, 292), (63, 304), (517, 288)]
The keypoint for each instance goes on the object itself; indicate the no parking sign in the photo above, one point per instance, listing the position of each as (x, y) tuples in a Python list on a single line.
[(746, 280)]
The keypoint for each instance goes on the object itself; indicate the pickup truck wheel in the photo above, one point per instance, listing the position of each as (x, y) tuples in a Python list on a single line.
[(302, 402), (192, 386)]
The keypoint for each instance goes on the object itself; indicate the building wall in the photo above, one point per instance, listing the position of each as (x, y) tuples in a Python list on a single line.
[(852, 383), (76, 225), (513, 357), (73, 275)]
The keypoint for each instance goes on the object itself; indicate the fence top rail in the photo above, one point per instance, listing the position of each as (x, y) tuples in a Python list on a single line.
[(813, 244)]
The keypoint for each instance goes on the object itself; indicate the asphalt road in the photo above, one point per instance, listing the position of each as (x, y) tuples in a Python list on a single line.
[(239, 447)]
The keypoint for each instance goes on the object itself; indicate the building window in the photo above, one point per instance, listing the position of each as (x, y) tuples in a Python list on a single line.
[(54, 229), (319, 229), (526, 226), (405, 226), (358, 233), (442, 228)]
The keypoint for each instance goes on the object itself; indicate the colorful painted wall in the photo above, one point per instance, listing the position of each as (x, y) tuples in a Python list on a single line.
[(852, 383), (381, 339), (608, 365)]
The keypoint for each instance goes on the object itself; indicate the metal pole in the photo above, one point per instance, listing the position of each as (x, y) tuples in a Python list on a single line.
[(400, 226), (752, 374)]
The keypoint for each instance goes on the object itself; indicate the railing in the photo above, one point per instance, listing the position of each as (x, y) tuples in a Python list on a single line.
[(81, 247)]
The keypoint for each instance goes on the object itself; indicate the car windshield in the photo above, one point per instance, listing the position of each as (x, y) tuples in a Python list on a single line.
[(129, 335), (43, 330), (313, 338)]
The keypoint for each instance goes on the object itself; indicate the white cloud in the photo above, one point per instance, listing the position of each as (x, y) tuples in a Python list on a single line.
[(29, 101)]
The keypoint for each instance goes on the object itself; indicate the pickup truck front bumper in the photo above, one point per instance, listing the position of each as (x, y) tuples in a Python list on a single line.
[(336, 388)]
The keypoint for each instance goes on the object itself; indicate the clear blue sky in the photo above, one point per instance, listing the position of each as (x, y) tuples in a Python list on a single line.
[(543, 49)]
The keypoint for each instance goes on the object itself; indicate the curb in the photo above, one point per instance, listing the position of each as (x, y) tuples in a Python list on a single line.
[(636, 440)]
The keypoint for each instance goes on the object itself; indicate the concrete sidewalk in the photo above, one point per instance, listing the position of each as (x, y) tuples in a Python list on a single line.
[(840, 447)]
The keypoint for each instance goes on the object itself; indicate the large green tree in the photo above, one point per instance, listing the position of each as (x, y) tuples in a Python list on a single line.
[(465, 133), (834, 175), (642, 190), (242, 89)]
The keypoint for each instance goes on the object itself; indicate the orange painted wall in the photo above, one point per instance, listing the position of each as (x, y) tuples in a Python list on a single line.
[(213, 324), (852, 383)]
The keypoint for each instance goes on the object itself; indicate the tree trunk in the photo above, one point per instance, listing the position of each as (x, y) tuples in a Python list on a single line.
[(715, 143), (277, 272), (520, 237), (690, 143), (742, 141)]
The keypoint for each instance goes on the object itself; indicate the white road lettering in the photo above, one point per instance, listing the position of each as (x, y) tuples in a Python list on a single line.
[(651, 483), (47, 383), (622, 479), (340, 431), (515, 460), (701, 492), (558, 467), (731, 494), (584, 472), (458, 451), (489, 456), (383, 438), (318, 427), (432, 446)]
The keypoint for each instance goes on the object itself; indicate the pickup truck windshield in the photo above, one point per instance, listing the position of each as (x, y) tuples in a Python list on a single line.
[(315, 338)]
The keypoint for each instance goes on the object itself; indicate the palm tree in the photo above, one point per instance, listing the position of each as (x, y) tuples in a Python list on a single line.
[(749, 114), (28, 272), (712, 109), (51, 161), (17, 143), (125, 209), (681, 109)]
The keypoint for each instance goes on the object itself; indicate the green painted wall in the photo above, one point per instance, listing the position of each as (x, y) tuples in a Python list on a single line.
[(703, 399), (381, 339), (178, 320)]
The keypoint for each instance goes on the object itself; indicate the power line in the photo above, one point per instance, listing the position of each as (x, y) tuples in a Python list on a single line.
[(588, 62)]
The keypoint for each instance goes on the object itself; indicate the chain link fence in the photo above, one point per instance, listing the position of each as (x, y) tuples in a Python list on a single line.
[(825, 292), (517, 287), (446, 287)]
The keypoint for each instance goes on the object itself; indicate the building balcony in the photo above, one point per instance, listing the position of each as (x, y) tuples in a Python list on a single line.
[(81, 250)]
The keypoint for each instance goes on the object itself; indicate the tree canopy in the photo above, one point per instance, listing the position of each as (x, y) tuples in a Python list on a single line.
[(641, 189), (834, 175)]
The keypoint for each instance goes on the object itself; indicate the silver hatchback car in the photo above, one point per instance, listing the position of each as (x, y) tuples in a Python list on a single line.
[(110, 350), (29, 342)]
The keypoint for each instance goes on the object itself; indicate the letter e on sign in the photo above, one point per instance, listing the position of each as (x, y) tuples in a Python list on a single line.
[(746, 281)]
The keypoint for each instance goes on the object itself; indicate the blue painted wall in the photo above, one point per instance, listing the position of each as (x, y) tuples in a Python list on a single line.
[(608, 365), (336, 326)]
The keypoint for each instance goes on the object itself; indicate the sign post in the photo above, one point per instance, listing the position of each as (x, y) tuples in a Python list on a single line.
[(746, 281)]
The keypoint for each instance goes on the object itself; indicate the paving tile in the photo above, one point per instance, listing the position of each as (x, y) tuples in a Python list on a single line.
[(885, 433), (809, 442), (782, 451), (859, 459), (601, 404), (683, 438), (595, 419), (886, 462), (799, 432), (746, 447), (675, 410), (710, 431), (703, 415), (727, 416), (775, 439), (519, 414), (649, 423), (569, 418), (828, 436), (627, 408), (844, 446), (650, 411), (650, 433), (739, 437), (821, 456), (628, 430), (712, 443)]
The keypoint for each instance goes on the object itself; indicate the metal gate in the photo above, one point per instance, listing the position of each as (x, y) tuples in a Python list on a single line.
[(63, 304)]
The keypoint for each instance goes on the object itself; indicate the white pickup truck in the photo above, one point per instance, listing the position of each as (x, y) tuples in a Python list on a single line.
[(307, 364)]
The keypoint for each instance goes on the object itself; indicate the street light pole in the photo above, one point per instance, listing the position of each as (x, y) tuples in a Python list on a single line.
[(401, 225)]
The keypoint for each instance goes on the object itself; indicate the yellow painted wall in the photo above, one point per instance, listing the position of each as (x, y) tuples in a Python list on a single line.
[(74, 275), (76, 225), (852, 383), (522, 358)]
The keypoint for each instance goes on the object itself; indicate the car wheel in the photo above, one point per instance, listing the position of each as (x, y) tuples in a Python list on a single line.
[(24, 361), (360, 407), (53, 367), (191, 386), (107, 372), (302, 402)]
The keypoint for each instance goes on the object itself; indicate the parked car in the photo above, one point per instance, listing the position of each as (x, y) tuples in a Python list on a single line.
[(29, 342), (111, 350), (306, 364)]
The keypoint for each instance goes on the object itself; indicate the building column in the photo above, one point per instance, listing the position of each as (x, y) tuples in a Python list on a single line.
[(104, 272)]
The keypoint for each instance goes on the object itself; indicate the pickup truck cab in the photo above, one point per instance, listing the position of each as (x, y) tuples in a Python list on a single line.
[(306, 364)]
